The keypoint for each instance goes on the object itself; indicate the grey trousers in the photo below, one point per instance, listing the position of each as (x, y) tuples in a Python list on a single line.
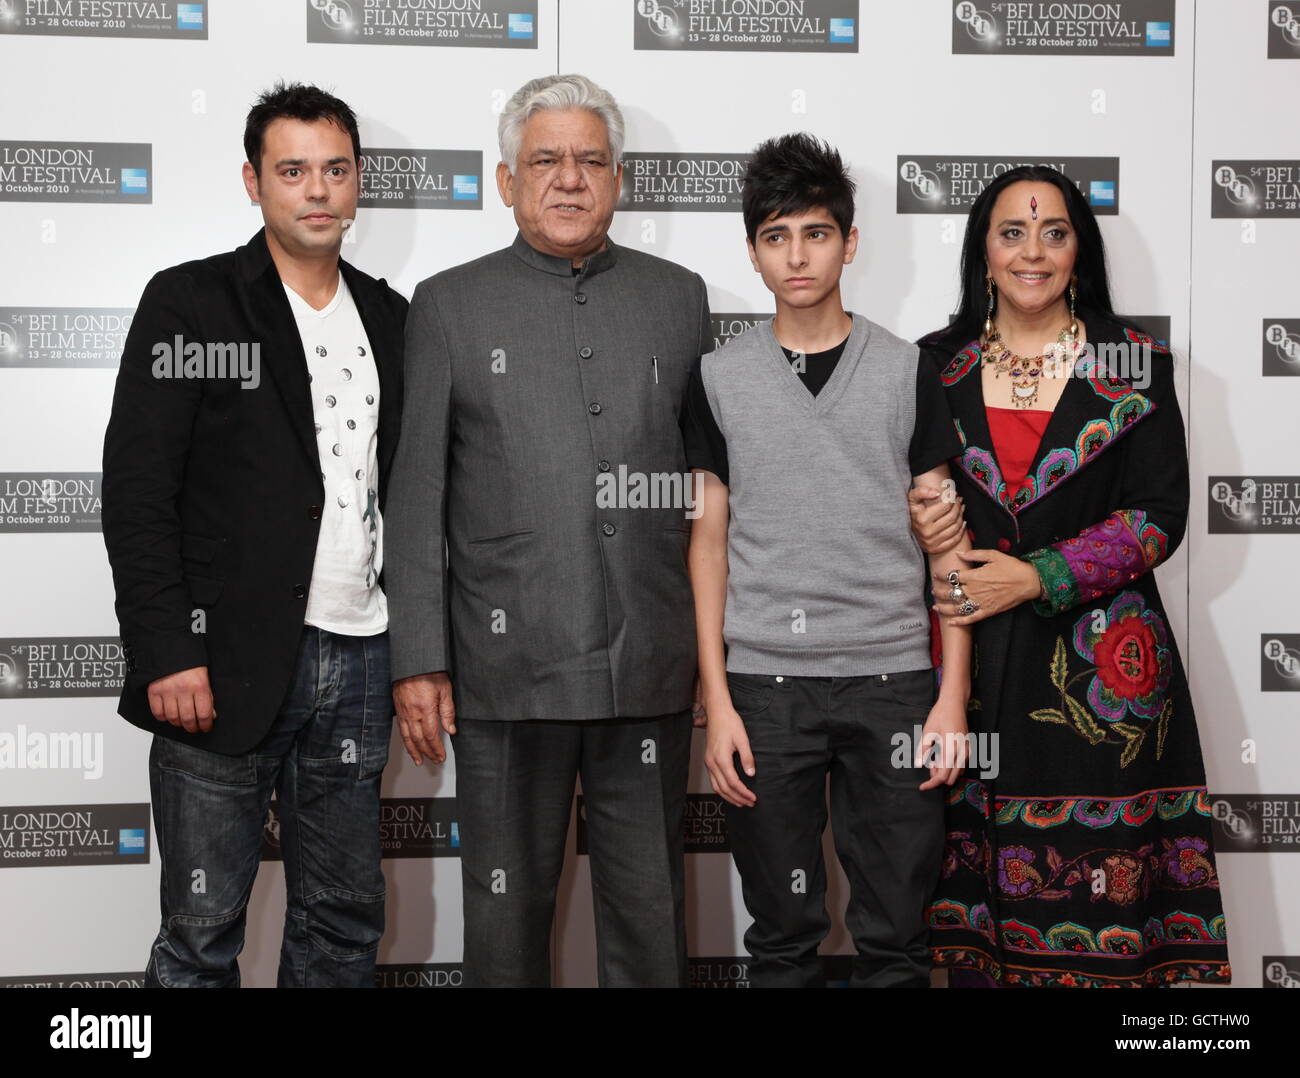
[(514, 791)]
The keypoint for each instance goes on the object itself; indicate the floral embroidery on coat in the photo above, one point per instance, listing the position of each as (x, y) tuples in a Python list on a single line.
[(1128, 646)]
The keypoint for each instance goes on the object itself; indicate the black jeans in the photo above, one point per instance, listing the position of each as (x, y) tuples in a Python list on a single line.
[(888, 834)]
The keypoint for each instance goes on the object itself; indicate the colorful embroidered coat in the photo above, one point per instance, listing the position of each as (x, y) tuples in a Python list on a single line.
[(1087, 859)]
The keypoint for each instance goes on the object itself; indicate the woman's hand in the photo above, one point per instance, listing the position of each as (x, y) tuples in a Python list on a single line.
[(998, 584)]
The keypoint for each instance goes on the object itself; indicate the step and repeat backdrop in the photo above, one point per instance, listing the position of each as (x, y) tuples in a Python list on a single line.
[(120, 153)]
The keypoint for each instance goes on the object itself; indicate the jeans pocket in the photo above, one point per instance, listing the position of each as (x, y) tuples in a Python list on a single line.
[(751, 694), (912, 688), (172, 754), (374, 746)]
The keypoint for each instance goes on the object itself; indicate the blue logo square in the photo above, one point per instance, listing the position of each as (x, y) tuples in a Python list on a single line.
[(842, 31), (189, 16), (1159, 35), (130, 840), (1101, 193), (135, 181), (520, 26), (455, 833), (464, 187)]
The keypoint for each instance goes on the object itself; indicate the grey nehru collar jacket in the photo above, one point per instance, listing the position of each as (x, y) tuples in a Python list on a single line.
[(543, 405), (561, 266)]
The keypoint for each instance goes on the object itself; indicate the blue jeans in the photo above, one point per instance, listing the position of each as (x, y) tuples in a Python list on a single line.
[(323, 757)]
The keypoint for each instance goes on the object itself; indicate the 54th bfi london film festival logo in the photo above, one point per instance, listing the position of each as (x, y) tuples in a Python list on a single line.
[(53, 666), (746, 25), (1281, 971), (409, 827), (1281, 346), (1114, 28), (50, 501), (1256, 823), (106, 18), (472, 23), (951, 183), (1279, 669), (1255, 188), (728, 325), (1284, 31), (421, 179), (1267, 504), (63, 336), (31, 836), (683, 181), (41, 171)]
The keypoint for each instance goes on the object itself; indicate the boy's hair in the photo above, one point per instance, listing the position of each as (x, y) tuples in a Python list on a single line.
[(794, 174), (296, 101)]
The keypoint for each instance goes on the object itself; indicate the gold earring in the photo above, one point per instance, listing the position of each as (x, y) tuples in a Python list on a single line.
[(988, 313), (1074, 294)]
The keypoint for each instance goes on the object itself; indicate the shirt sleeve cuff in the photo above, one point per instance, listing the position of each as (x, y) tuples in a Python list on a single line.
[(1058, 581)]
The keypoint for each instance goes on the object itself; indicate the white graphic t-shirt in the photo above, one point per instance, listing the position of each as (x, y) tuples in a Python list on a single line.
[(345, 596)]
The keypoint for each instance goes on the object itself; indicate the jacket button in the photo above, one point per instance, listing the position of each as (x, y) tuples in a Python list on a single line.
[(580, 297), (300, 591), (603, 465), (314, 512), (1004, 545), (593, 408), (608, 528), (585, 352)]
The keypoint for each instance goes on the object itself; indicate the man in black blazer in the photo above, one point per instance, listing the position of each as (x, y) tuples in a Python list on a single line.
[(245, 463)]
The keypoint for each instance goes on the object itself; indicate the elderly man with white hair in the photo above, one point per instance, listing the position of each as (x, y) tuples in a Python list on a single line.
[(556, 637)]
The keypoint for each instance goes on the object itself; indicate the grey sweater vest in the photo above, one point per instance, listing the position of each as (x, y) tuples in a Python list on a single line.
[(824, 576)]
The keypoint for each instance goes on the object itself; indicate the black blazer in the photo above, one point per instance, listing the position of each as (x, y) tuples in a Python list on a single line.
[(212, 493)]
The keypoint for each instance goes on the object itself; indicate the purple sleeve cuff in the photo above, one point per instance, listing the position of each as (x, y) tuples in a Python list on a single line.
[(1099, 560)]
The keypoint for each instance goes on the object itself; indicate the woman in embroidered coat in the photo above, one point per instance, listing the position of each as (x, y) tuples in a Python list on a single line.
[(1086, 859)]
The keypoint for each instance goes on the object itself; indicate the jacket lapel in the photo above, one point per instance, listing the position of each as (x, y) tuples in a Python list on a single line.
[(1092, 414), (961, 378), (282, 355)]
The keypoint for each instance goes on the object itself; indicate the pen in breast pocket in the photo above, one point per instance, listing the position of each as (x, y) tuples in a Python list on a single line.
[(655, 362)]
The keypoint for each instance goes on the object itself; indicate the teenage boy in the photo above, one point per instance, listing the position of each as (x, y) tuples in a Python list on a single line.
[(242, 520), (809, 429)]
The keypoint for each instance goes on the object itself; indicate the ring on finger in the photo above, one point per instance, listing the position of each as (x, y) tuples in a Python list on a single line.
[(956, 595), (968, 607)]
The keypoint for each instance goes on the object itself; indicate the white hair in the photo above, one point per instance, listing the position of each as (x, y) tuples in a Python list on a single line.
[(557, 92)]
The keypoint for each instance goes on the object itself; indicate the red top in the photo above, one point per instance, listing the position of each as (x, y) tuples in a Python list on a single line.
[(1016, 434)]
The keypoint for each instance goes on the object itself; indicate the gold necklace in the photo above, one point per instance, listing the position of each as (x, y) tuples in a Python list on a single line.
[(1026, 372)]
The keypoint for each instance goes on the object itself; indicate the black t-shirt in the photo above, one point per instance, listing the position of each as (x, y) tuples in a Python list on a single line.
[(815, 368), (934, 438)]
